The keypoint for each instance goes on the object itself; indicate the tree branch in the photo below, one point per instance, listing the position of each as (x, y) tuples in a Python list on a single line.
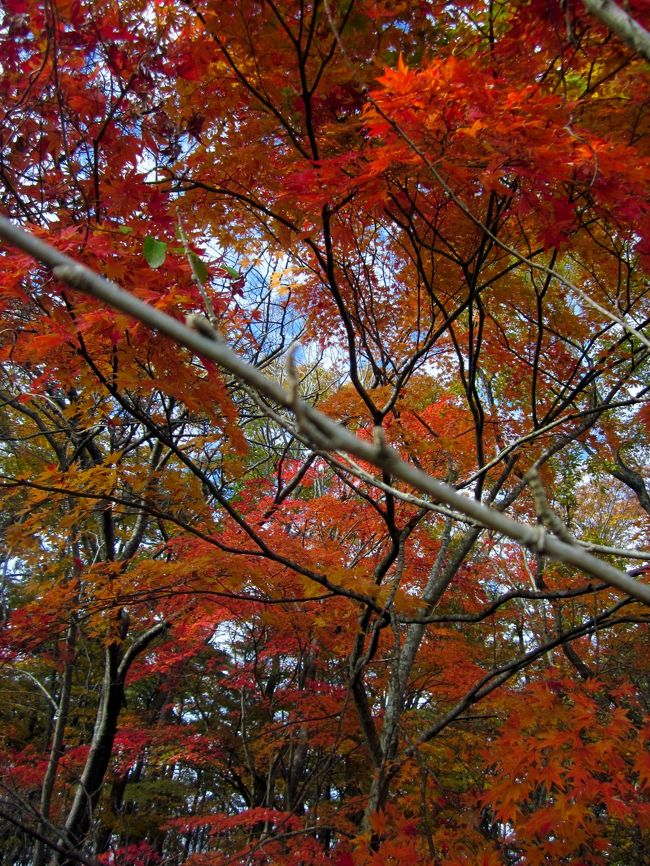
[(322, 432), (622, 24)]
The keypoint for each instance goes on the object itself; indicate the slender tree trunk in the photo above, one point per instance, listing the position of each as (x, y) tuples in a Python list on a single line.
[(56, 749), (402, 664), (116, 667), (89, 787)]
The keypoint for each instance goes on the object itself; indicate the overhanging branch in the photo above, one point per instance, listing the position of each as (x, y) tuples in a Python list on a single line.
[(622, 24), (322, 432)]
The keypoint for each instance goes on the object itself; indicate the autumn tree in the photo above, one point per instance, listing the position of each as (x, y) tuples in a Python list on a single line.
[(324, 538)]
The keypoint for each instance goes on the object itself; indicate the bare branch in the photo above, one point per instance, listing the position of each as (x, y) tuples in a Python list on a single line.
[(36, 834), (622, 24), (323, 433)]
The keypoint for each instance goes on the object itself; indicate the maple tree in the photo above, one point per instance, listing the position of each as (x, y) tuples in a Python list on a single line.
[(387, 602)]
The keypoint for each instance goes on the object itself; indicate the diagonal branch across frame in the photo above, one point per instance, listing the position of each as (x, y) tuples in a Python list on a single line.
[(323, 433)]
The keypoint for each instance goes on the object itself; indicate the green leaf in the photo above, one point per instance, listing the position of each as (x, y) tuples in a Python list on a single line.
[(232, 272), (198, 268), (154, 252), (125, 230)]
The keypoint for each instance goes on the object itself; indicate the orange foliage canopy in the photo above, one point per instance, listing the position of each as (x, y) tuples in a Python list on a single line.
[(217, 645)]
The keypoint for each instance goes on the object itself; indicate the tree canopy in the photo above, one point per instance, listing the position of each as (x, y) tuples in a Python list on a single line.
[(324, 483)]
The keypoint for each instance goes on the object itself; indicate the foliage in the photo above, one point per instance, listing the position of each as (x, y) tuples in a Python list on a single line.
[(219, 646)]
